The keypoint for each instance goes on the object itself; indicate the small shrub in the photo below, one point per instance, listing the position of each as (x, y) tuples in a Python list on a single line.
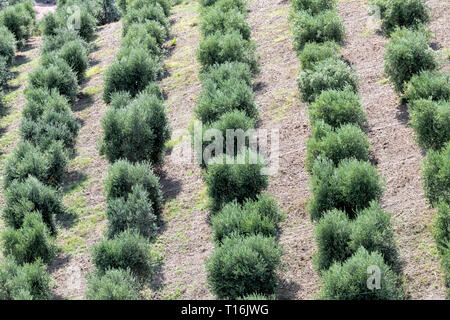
[(338, 107), (349, 187), (403, 13), (74, 53), (87, 24), (231, 140), (372, 230), (431, 122), (137, 36), (123, 175), (49, 24), (166, 5), (61, 37), (110, 12), (153, 29), (244, 265), (7, 45), (428, 85), (229, 95), (30, 242), (215, 20), (313, 6), (120, 99), (19, 20), (28, 281), (314, 52), (333, 234), (322, 27), (136, 132), (347, 141), (53, 125), (148, 12), (114, 284), (229, 47), (436, 175), (229, 5), (224, 72), (407, 54), (28, 196), (132, 73), (239, 178), (135, 213), (57, 75), (47, 166), (41, 99), (126, 250), (326, 75), (253, 217), (348, 280)]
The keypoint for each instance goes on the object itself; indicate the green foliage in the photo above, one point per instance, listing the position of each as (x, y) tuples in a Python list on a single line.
[(28, 196), (244, 265), (314, 52), (431, 122), (7, 45), (228, 5), (30, 242), (49, 24), (5, 74), (114, 284), (134, 213), (230, 47), (142, 4), (47, 166), (218, 98), (253, 217), (237, 178), (442, 227), (224, 72), (56, 74), (53, 125), (230, 137), (349, 187), (403, 13), (338, 107), (127, 250), (407, 54), (326, 75), (109, 13), (74, 53), (137, 132), (347, 141), (322, 27), (131, 73), (24, 282), (348, 280), (19, 19), (372, 230), (123, 175), (313, 6), (333, 234), (138, 36), (215, 20), (428, 85), (148, 12), (61, 37), (436, 175)]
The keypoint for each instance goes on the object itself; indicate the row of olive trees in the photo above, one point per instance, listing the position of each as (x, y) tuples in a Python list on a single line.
[(135, 130), (356, 256), (34, 172), (412, 67)]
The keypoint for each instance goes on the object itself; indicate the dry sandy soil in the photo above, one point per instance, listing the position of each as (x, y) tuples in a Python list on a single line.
[(185, 241)]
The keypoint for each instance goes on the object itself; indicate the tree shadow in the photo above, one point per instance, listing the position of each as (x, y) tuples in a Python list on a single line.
[(170, 187), (259, 86), (402, 114), (287, 290), (73, 180), (84, 101), (20, 60)]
